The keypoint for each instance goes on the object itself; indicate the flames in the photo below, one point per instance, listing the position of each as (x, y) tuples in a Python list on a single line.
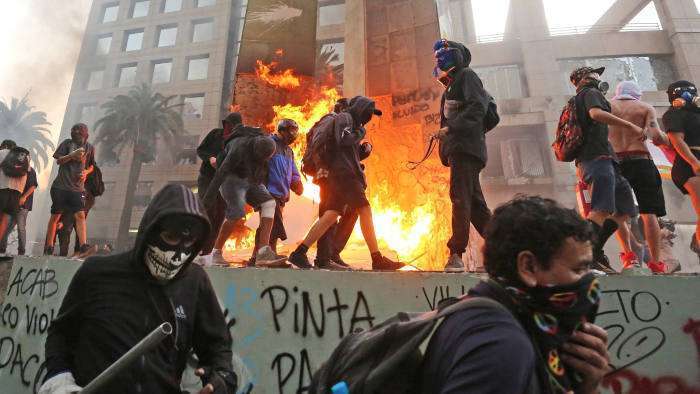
[(408, 219)]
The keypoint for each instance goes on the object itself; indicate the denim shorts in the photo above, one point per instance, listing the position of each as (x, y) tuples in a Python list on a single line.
[(237, 192), (610, 191)]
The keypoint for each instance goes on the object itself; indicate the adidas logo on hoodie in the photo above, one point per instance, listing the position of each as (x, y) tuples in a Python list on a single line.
[(180, 313)]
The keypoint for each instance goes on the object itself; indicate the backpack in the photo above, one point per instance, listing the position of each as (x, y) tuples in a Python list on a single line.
[(569, 136), (491, 118), (16, 163), (387, 358), (319, 143), (94, 183)]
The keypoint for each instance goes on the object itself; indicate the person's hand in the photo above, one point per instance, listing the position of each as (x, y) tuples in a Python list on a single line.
[(642, 132), (77, 154), (83, 175), (208, 388), (22, 200), (587, 353), (212, 161), (216, 381), (696, 168), (441, 133), (63, 383)]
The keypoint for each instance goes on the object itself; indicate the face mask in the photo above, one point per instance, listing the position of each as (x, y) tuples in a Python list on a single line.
[(168, 249), (551, 314), (164, 264)]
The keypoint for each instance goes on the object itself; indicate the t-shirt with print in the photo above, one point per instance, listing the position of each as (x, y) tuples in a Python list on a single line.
[(69, 174), (6, 182), (685, 121), (595, 134)]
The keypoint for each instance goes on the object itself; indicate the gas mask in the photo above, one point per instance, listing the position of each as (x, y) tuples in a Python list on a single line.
[(682, 96), (172, 245), (445, 61)]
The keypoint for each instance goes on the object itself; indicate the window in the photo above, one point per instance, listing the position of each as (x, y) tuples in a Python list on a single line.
[(110, 12), (126, 75), (197, 68), (517, 155), (103, 44), (188, 154), (140, 8), (162, 70), (172, 5), (193, 106), (204, 3), (651, 73), (202, 30), (94, 80), (331, 15), (133, 40), (503, 82), (167, 35), (142, 194)]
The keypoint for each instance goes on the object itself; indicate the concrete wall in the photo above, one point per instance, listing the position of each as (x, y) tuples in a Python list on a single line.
[(285, 323)]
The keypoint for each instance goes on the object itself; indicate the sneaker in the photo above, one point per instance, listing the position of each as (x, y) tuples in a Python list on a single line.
[(204, 260), (338, 260), (331, 265), (266, 257), (384, 264), (454, 263), (601, 263), (86, 250), (631, 265), (217, 258), (300, 260), (48, 250), (661, 267)]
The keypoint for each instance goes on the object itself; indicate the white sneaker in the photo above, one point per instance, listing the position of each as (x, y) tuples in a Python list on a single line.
[(204, 261), (266, 257), (217, 258)]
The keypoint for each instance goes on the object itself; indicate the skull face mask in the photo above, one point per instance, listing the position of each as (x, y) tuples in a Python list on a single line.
[(172, 245)]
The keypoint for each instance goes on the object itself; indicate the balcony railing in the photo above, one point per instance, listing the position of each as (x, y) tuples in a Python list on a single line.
[(573, 30)]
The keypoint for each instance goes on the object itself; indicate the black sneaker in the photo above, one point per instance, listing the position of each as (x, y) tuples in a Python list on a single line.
[(300, 260), (338, 260), (331, 265), (601, 262), (86, 250), (385, 264), (48, 250)]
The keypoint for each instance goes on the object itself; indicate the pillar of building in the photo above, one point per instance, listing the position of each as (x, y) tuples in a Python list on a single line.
[(354, 72), (681, 20)]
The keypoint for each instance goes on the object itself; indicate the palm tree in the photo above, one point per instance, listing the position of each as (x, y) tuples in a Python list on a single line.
[(137, 120), (28, 128)]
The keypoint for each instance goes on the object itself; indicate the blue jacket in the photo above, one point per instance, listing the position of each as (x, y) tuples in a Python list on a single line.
[(282, 171)]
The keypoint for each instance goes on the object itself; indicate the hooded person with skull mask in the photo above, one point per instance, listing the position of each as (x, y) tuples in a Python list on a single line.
[(462, 138), (115, 301)]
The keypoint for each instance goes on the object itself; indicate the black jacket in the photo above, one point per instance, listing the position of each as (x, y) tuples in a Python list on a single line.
[(348, 132), (113, 302), (211, 146), (462, 110)]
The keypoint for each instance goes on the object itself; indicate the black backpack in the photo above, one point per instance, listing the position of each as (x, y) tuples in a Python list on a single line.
[(16, 163), (94, 183), (491, 118), (319, 144), (387, 358)]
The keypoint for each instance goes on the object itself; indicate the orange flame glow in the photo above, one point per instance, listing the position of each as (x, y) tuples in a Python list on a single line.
[(286, 79)]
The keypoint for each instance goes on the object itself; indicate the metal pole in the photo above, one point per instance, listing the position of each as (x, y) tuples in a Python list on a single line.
[(146, 344)]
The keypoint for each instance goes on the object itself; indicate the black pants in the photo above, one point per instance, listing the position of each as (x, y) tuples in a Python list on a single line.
[(69, 227), (215, 214), (336, 238), (468, 203)]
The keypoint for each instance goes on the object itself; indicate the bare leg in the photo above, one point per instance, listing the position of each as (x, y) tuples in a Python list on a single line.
[(4, 220), (367, 227), (623, 232), (81, 227), (598, 217), (693, 188), (320, 227), (652, 233), (51, 228), (227, 228)]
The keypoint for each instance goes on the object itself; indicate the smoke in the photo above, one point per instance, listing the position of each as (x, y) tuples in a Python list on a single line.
[(39, 44)]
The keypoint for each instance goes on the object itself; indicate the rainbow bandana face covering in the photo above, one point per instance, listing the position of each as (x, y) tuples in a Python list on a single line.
[(552, 314)]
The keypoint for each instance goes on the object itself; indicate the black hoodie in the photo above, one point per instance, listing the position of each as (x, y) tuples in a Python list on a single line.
[(113, 302), (466, 131), (346, 162)]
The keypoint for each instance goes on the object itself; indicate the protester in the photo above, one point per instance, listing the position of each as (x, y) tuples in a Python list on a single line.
[(68, 227), (542, 339), (115, 301), (462, 144), (682, 123), (14, 166), (26, 203), (209, 149), (637, 166), (282, 177), (342, 181), (75, 157), (612, 199), (240, 179)]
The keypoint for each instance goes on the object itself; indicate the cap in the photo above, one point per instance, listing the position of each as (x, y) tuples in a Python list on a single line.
[(233, 118), (581, 72)]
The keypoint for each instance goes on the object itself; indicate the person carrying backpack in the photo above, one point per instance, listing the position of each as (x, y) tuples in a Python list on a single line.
[(14, 166), (528, 329), (611, 199), (463, 109), (334, 151)]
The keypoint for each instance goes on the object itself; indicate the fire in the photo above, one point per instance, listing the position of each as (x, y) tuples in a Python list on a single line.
[(286, 79)]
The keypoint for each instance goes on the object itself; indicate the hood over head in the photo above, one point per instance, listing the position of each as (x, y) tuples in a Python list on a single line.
[(628, 90), (172, 200), (362, 108), (464, 56)]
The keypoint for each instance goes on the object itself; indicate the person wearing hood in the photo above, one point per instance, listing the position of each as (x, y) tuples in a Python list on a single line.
[(115, 301), (611, 198), (13, 179), (75, 157), (343, 184), (462, 144), (682, 124), (208, 150), (637, 166), (240, 179), (542, 337)]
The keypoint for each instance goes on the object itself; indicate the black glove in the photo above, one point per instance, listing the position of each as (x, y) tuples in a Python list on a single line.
[(224, 381)]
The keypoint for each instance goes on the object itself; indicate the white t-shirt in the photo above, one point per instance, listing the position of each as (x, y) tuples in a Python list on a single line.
[(7, 182)]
